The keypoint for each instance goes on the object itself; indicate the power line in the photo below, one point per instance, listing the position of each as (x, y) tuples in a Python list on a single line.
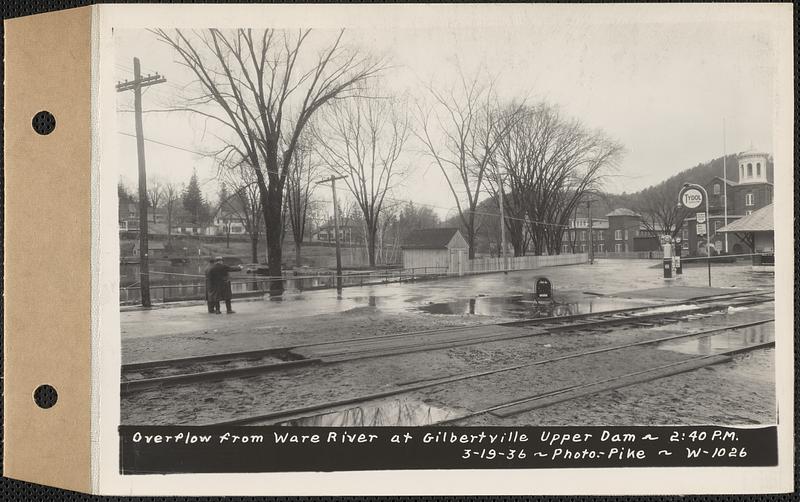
[(340, 188), (526, 220), (168, 145)]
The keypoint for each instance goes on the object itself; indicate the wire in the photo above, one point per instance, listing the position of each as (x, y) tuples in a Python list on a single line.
[(341, 188)]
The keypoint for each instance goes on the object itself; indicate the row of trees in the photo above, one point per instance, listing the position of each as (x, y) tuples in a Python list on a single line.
[(291, 106), (172, 198)]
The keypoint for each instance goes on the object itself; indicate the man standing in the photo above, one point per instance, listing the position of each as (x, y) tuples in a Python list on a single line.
[(219, 285), (209, 303)]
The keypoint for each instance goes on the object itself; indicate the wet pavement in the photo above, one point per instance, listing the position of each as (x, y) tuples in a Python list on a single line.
[(722, 342), (526, 306), (576, 288), (386, 413)]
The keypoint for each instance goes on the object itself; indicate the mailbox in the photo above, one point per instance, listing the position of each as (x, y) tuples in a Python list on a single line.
[(544, 289)]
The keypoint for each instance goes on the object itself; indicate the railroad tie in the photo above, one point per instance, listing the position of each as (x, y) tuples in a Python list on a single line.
[(569, 393)]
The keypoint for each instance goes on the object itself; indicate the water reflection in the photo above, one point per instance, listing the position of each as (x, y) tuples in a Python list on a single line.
[(526, 306), (722, 342), (390, 413)]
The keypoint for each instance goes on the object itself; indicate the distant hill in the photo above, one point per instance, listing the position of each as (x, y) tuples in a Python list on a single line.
[(701, 174)]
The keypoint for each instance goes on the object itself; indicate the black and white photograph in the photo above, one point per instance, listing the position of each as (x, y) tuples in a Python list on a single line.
[(569, 224)]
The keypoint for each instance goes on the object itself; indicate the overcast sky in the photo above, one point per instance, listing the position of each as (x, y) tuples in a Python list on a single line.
[(661, 90)]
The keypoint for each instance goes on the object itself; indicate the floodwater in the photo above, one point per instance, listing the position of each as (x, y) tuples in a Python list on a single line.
[(722, 342), (525, 306), (397, 412)]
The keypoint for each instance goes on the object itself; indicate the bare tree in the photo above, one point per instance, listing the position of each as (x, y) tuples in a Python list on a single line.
[(460, 132), (362, 140), (244, 201), (299, 190), (261, 86), (550, 163), (155, 193), (659, 210), (172, 196)]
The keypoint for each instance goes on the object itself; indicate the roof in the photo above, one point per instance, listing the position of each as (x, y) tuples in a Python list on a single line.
[(728, 181), (757, 221), (752, 153), (621, 211), (430, 238)]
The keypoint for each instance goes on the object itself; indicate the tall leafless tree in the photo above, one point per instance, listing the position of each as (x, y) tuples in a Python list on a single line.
[(460, 129), (264, 86), (659, 210), (155, 193), (244, 201), (299, 191), (550, 163), (172, 196), (363, 140)]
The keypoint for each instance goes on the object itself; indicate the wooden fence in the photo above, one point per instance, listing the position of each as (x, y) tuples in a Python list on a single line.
[(485, 265), (259, 286), (630, 255)]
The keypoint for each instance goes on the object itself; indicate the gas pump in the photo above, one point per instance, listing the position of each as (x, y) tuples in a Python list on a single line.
[(667, 245), (676, 259)]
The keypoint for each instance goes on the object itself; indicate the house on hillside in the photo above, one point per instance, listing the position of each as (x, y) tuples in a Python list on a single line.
[(327, 233), (439, 250), (749, 189)]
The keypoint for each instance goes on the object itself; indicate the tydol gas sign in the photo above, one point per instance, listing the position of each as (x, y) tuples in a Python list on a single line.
[(691, 198)]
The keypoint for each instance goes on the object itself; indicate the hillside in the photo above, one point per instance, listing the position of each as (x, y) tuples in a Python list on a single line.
[(701, 174)]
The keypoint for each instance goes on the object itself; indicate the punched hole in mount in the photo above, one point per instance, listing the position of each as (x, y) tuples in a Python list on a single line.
[(45, 396), (43, 122)]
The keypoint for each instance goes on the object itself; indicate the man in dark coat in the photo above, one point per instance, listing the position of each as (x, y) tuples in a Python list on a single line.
[(219, 285), (209, 303)]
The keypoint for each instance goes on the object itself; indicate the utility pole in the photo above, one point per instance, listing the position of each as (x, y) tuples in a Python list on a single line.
[(332, 181), (136, 86), (591, 240), (502, 227), (724, 182)]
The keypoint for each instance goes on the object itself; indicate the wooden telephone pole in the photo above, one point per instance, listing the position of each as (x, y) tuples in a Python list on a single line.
[(136, 86), (332, 181)]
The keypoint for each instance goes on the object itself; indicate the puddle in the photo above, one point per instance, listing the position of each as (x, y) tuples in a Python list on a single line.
[(387, 413), (722, 342), (523, 306)]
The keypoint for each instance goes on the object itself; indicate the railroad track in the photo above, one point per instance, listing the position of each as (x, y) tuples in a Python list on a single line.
[(142, 376), (527, 403)]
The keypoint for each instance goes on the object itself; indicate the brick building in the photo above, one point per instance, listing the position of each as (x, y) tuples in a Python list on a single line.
[(748, 188)]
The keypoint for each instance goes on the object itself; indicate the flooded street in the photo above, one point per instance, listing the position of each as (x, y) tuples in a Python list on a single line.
[(576, 289), (516, 366)]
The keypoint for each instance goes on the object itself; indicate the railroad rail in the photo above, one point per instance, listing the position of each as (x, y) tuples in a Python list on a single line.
[(142, 376), (537, 400)]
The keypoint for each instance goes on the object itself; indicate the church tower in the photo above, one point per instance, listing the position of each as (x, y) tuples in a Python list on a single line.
[(752, 167)]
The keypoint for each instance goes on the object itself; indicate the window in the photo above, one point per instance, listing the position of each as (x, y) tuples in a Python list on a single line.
[(626, 234), (565, 248), (749, 200), (716, 189), (583, 248), (618, 248), (741, 171), (600, 247), (749, 170), (583, 235), (685, 234), (617, 235), (758, 169)]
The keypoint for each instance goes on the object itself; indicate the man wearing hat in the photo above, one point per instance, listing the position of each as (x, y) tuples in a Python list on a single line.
[(219, 285)]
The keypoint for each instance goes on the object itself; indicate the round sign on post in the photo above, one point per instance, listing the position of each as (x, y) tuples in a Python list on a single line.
[(691, 198)]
